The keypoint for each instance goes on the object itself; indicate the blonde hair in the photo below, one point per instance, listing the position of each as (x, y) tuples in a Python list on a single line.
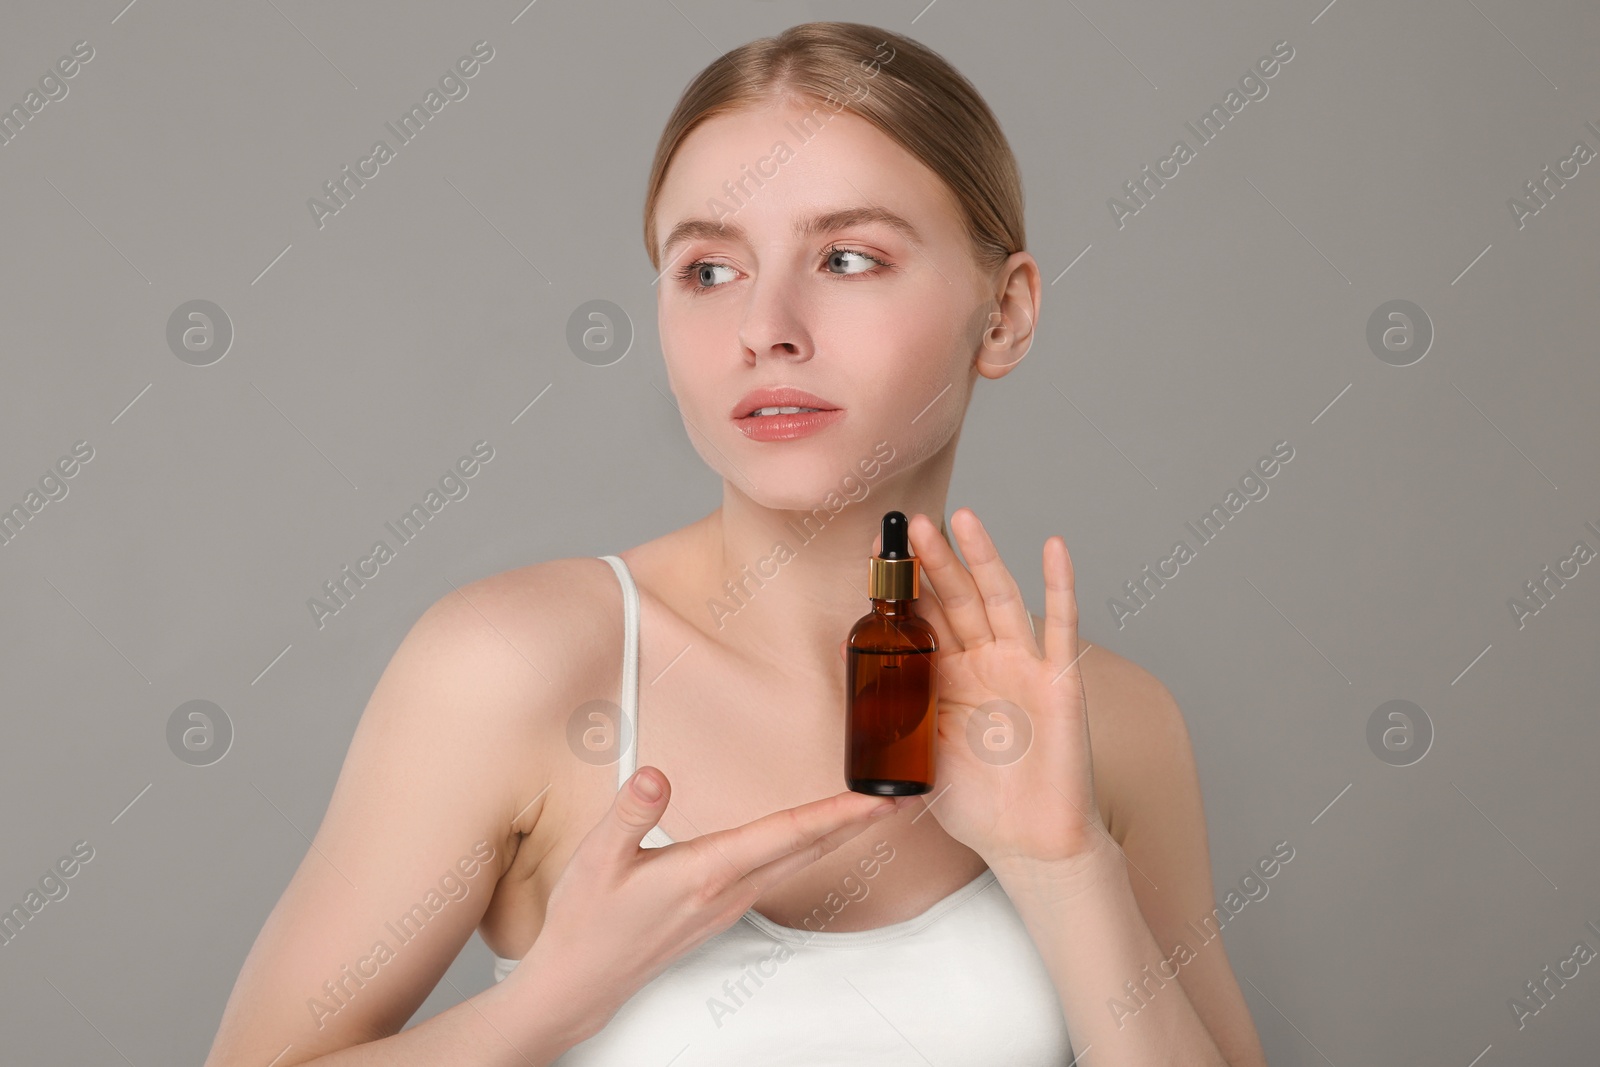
[(915, 97)]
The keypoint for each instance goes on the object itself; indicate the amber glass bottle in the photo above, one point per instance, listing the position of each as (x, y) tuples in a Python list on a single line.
[(891, 692)]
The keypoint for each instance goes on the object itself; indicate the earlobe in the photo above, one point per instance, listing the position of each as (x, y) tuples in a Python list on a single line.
[(1001, 349), (1004, 343)]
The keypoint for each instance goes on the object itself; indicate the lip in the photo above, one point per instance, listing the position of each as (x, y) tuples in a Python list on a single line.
[(780, 397), (787, 427)]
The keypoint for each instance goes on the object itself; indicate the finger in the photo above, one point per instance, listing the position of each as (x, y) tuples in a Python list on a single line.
[(1060, 604), (772, 837), (1002, 600), (776, 872), (958, 593), (633, 813), (928, 607)]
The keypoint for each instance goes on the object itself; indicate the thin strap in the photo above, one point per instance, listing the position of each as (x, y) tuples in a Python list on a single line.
[(627, 761), (630, 670)]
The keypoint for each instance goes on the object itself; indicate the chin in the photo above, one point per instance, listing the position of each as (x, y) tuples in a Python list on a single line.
[(811, 474)]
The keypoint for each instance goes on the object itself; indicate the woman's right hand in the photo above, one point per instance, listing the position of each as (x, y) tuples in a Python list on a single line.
[(620, 913)]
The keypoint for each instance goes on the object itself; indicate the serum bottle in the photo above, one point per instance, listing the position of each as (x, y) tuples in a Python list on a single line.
[(891, 690)]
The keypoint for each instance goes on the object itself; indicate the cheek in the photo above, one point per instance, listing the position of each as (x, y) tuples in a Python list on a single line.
[(924, 389), (685, 342), (929, 347)]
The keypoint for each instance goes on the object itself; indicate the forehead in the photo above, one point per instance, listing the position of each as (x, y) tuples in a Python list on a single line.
[(772, 166)]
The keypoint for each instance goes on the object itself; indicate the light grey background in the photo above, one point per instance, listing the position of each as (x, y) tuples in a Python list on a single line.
[(1227, 315)]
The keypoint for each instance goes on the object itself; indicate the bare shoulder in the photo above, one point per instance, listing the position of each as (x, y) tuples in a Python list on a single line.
[(1137, 733), (538, 641), (438, 777), (485, 678)]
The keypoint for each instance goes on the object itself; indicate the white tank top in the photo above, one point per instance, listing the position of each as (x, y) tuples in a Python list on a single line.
[(961, 983)]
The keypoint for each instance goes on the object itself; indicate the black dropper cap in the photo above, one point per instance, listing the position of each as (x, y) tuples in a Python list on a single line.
[(892, 573), (896, 543)]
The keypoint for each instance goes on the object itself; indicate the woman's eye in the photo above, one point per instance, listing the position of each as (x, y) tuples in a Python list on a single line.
[(703, 274), (844, 255)]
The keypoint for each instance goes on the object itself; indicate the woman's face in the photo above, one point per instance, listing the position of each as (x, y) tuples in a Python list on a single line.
[(883, 324)]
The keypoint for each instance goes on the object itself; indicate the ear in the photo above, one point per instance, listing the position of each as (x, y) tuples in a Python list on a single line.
[(1011, 321)]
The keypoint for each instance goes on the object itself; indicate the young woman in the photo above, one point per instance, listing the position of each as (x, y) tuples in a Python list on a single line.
[(837, 222)]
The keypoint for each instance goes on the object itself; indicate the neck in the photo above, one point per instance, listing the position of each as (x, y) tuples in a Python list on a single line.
[(786, 585)]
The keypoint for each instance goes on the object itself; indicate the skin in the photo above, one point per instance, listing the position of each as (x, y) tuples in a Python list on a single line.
[(465, 738)]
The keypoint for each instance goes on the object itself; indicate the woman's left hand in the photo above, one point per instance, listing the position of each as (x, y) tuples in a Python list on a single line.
[(1014, 780)]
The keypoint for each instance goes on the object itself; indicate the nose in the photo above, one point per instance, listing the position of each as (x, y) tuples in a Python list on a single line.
[(773, 324)]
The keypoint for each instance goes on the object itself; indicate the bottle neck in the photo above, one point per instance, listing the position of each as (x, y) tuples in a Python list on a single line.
[(892, 607)]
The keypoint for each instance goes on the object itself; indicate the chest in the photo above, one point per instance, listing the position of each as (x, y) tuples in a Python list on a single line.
[(739, 741)]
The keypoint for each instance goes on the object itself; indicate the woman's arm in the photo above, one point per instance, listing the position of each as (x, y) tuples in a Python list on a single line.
[(525, 1022), (1105, 923), (416, 835)]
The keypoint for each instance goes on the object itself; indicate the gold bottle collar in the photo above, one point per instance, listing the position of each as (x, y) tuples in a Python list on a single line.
[(892, 579)]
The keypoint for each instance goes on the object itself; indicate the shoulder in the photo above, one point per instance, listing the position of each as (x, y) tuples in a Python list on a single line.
[(533, 623), (544, 600), (504, 660), (1138, 738)]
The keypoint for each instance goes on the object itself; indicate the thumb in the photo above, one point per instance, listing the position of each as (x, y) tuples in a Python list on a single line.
[(635, 811)]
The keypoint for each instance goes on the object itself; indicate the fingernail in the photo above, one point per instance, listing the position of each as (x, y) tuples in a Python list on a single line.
[(883, 809), (646, 786)]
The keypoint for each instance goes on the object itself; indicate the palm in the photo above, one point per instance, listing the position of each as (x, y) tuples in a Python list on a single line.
[(1013, 764)]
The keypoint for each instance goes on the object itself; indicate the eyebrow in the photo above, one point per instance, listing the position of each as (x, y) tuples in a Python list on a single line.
[(693, 229)]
